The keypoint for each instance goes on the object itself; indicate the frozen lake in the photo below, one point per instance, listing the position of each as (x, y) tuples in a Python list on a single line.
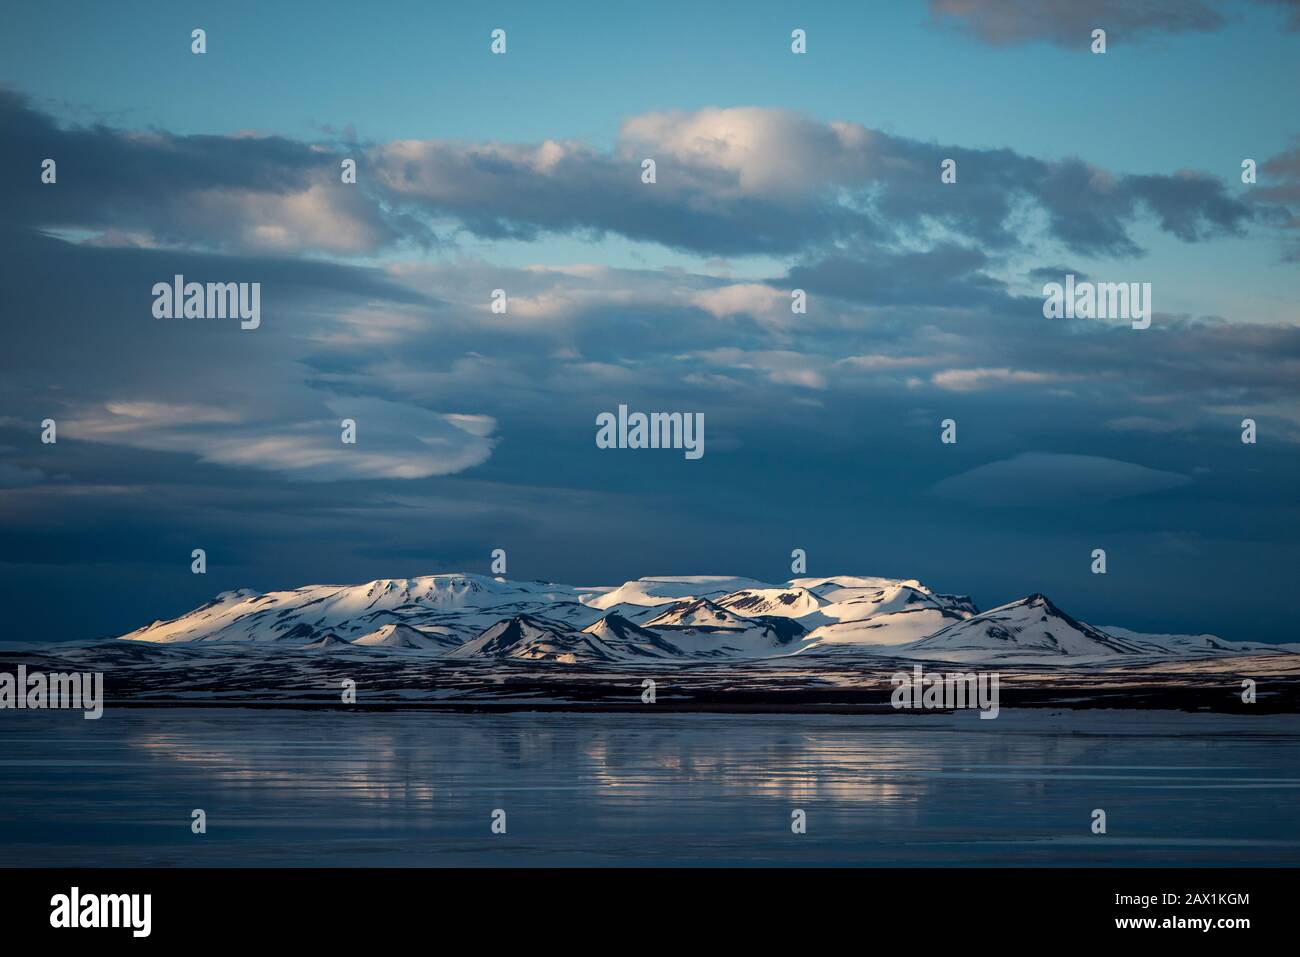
[(419, 788)]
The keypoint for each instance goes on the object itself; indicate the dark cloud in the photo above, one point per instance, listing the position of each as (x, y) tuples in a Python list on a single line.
[(1277, 196), (155, 188), (83, 347), (1043, 480), (1045, 274), (1069, 23), (1281, 180), (15, 476), (1088, 209), (947, 275), (1292, 10)]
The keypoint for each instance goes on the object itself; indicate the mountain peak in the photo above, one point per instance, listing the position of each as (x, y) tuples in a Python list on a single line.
[(696, 611), (1032, 626)]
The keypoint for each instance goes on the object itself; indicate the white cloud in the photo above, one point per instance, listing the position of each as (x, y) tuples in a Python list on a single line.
[(970, 380), (767, 305), (394, 440), (768, 151)]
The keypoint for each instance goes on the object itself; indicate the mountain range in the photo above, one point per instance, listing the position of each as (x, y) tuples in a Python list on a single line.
[(465, 616)]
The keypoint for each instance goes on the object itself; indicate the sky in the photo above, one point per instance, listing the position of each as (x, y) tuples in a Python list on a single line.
[(774, 171)]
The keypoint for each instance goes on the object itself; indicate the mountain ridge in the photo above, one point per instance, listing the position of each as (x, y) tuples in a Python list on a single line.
[(468, 616)]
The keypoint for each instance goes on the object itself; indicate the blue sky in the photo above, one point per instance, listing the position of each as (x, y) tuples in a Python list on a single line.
[(418, 69), (775, 170)]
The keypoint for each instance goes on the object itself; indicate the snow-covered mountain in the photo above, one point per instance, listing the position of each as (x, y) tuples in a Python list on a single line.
[(630, 640), (535, 639), (475, 617), (698, 612), (702, 628), (663, 591), (396, 635), (457, 606), (878, 611), (1208, 645), (327, 643), (1032, 626), (792, 602)]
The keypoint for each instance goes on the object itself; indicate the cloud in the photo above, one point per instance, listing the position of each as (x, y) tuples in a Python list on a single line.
[(15, 476), (735, 181), (1046, 274), (1143, 423), (1069, 23), (969, 380), (666, 333), (394, 440), (1292, 9), (945, 275), (769, 306), (1046, 480), (522, 191), (1277, 193), (249, 193), (760, 152), (1188, 205), (877, 362), (1281, 178), (266, 400), (750, 180), (776, 366)]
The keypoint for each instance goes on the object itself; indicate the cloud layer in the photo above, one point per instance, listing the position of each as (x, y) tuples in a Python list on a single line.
[(738, 181)]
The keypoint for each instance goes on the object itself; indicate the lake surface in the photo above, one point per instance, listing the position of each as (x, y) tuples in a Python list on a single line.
[(419, 789)]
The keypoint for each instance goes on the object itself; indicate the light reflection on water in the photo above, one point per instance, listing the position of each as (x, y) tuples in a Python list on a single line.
[(343, 789)]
